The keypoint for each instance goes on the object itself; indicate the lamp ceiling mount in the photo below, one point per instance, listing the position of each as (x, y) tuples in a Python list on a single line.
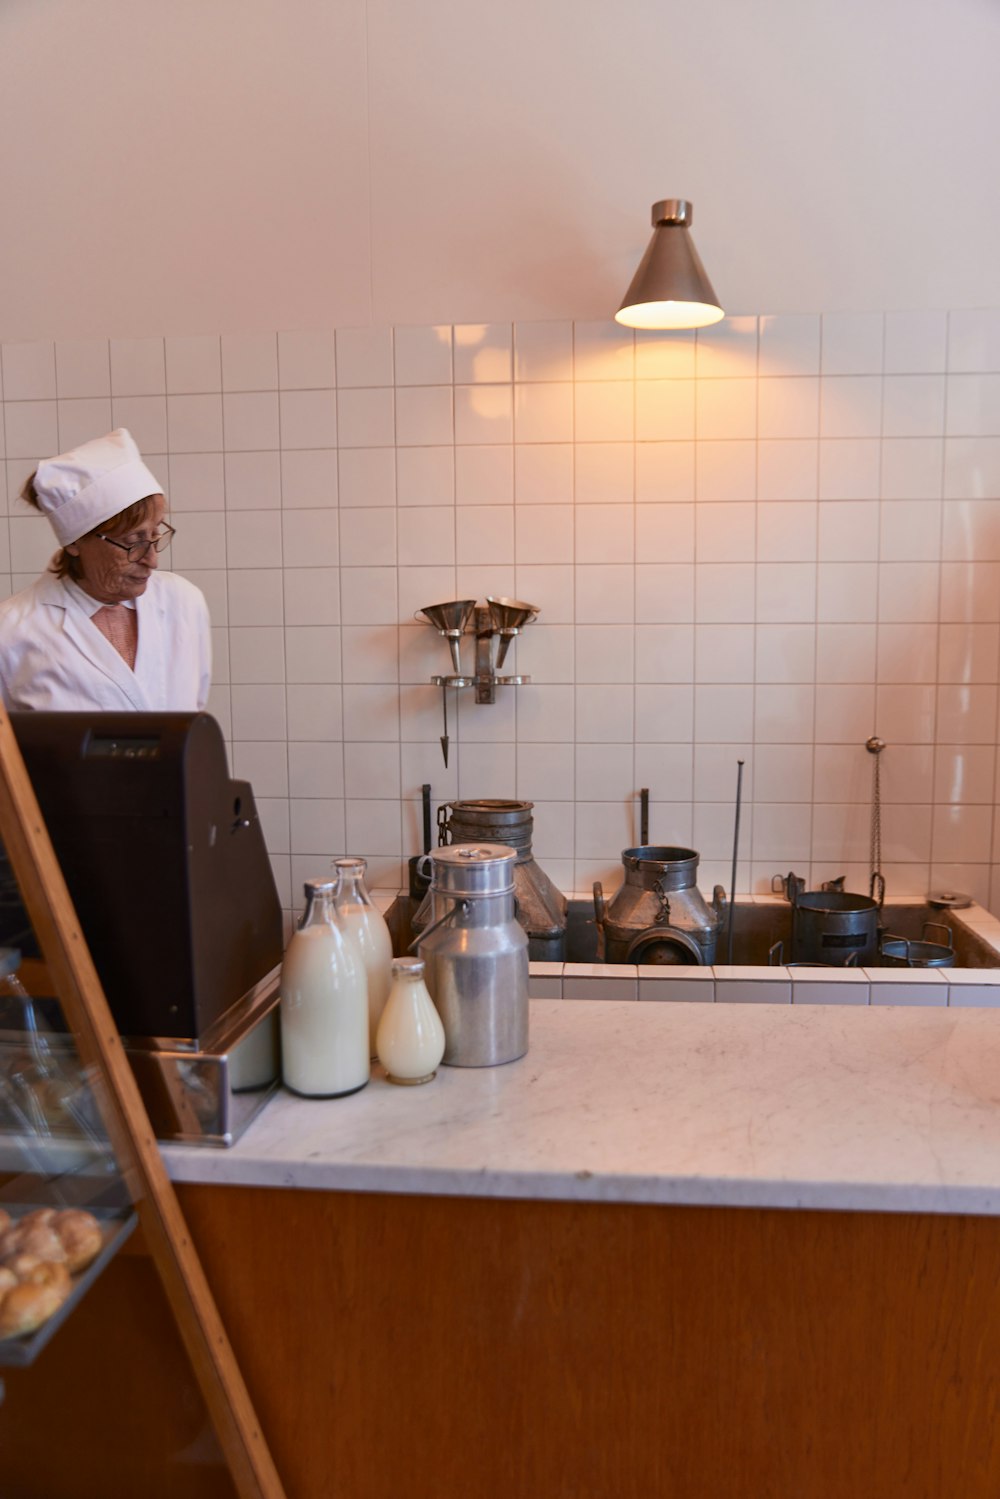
[(672, 211)]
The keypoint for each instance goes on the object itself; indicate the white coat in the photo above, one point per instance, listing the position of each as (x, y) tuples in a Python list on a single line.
[(53, 657)]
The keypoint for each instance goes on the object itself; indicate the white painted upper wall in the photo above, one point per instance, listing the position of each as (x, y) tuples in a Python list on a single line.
[(250, 164)]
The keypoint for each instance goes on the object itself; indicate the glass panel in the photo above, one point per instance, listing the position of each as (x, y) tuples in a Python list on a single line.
[(64, 1206)]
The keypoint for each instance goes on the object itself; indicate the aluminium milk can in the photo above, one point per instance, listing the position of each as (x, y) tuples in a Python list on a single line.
[(476, 954)]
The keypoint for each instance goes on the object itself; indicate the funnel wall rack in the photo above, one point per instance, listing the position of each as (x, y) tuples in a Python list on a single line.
[(504, 618), (500, 617)]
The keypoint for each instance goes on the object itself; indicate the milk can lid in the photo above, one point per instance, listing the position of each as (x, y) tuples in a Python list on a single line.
[(462, 855)]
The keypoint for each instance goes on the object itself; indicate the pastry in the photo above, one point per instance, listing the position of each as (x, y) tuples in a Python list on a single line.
[(27, 1306), (7, 1279), (22, 1264), (5, 1220), (33, 1238), (80, 1236), (39, 1217), (48, 1273)]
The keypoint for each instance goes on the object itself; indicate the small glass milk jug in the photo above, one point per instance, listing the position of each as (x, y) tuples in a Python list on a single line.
[(324, 1003), (361, 919), (410, 1033)]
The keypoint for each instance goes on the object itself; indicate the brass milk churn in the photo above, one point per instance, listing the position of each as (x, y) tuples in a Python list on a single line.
[(476, 954)]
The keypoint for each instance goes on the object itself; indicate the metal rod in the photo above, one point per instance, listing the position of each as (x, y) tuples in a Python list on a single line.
[(736, 848), (444, 709), (644, 816), (425, 793), (876, 884)]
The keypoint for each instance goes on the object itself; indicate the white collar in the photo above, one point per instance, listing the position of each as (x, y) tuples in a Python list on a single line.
[(86, 601)]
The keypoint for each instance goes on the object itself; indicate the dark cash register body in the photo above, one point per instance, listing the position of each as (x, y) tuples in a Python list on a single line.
[(164, 858)]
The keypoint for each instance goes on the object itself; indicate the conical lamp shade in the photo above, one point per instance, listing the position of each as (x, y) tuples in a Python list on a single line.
[(670, 289)]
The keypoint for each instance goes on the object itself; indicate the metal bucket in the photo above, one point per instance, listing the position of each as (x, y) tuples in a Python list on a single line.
[(899, 952), (831, 926)]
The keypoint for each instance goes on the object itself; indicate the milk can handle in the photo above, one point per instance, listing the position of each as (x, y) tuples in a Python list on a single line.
[(459, 906)]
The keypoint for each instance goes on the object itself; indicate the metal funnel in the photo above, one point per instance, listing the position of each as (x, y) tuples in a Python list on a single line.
[(450, 620), (509, 618)]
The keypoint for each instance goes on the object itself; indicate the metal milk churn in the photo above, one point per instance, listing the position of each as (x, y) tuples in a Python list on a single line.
[(658, 915), (541, 908), (476, 954)]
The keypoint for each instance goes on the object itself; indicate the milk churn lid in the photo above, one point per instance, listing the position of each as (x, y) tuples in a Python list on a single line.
[(487, 868), (461, 854)]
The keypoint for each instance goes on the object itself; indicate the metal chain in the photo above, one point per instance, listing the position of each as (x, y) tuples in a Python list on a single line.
[(876, 818), (875, 747)]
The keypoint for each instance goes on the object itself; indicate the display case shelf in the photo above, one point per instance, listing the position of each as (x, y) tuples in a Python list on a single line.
[(19, 1352)]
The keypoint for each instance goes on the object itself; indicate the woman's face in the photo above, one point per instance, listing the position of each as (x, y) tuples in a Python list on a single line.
[(106, 572)]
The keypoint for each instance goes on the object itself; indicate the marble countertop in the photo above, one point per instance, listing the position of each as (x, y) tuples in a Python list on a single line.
[(894, 1109)]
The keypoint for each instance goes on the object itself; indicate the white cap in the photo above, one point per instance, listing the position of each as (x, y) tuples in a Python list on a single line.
[(91, 483)]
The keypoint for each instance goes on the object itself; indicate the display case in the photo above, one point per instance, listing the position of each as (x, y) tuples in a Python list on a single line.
[(65, 1208), (77, 1147)]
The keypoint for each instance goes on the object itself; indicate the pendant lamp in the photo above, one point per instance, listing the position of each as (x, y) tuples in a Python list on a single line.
[(670, 288)]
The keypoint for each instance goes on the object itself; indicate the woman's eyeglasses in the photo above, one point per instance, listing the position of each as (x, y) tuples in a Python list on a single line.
[(136, 550)]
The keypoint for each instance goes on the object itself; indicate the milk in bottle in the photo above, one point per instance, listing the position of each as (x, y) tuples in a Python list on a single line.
[(324, 1003), (362, 920)]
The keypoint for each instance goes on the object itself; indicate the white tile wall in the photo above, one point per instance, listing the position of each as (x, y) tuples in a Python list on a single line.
[(764, 541)]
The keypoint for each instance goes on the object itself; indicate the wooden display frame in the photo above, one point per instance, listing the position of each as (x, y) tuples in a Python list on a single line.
[(78, 988)]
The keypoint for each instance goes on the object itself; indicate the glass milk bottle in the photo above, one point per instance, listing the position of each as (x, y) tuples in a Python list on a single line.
[(362, 920), (324, 1004), (410, 1033)]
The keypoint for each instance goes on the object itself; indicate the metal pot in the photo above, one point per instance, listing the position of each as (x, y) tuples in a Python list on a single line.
[(830, 926), (899, 952), (658, 916)]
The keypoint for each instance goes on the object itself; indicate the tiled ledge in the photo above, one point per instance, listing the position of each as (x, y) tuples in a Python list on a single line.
[(968, 987), (977, 987), (960, 987)]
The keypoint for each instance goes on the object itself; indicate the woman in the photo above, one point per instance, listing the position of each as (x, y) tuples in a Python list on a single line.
[(102, 628)]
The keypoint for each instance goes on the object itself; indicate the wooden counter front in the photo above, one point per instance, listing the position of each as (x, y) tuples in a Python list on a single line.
[(456, 1348)]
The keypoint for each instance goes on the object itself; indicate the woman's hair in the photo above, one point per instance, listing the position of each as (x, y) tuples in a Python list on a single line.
[(64, 564)]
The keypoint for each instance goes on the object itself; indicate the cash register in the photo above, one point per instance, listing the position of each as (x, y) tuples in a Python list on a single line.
[(165, 861)]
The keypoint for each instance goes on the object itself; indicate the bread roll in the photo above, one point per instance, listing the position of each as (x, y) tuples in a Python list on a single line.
[(36, 1238), (80, 1235), (25, 1307), (39, 1217), (49, 1273), (28, 1267), (21, 1264)]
